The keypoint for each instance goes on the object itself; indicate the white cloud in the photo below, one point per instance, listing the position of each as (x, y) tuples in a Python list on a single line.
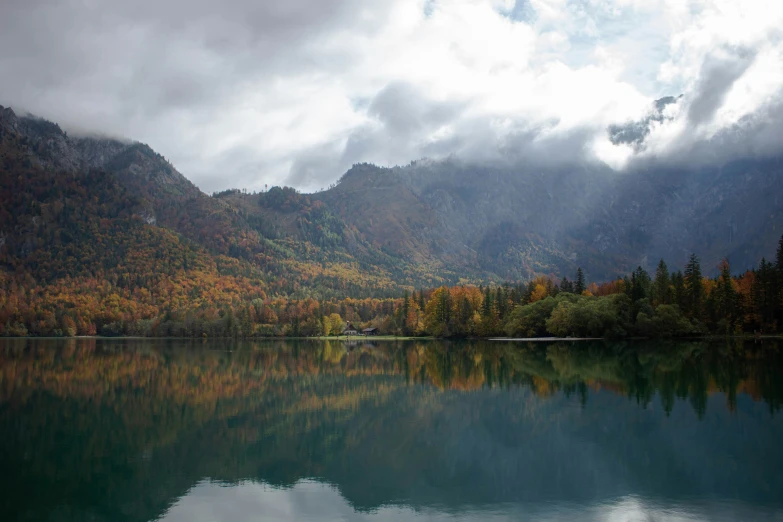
[(253, 93)]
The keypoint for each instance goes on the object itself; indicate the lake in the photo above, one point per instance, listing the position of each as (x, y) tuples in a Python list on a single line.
[(132, 430)]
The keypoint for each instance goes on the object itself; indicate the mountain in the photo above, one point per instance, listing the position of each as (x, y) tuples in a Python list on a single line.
[(378, 230), (61, 196), (514, 223)]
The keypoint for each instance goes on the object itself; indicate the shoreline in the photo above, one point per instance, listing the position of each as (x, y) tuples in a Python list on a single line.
[(385, 338)]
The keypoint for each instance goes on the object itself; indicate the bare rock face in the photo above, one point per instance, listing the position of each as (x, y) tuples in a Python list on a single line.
[(97, 153)]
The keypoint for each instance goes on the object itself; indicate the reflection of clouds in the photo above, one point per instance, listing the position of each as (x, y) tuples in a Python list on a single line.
[(312, 500)]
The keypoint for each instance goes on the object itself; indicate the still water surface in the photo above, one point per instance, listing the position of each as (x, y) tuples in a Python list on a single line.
[(129, 430)]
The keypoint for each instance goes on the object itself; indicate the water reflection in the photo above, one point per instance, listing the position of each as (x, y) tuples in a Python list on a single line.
[(310, 500), (135, 430)]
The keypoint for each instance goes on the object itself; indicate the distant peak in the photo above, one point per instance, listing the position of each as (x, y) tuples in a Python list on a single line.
[(635, 132), (661, 103), (7, 113)]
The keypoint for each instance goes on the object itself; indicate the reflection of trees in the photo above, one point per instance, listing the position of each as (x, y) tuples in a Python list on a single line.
[(124, 418), (200, 376), (689, 371)]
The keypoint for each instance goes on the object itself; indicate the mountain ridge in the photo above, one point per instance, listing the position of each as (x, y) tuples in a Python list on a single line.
[(449, 220)]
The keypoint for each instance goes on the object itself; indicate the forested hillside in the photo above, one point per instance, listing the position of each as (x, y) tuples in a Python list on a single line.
[(42, 165), (104, 236)]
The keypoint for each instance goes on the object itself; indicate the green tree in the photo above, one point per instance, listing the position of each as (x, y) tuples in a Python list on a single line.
[(764, 293), (591, 317), (666, 321), (579, 285), (678, 290), (779, 255), (662, 286), (779, 282), (640, 284), (694, 288), (529, 320), (725, 299)]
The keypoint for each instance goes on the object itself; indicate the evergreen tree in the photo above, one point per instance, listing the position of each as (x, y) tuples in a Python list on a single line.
[(405, 309), (443, 307), (779, 256), (246, 324), (500, 301), (465, 313), (678, 285), (779, 283), (566, 285), (528, 295), (763, 294), (640, 284), (579, 286), (662, 285), (726, 299), (486, 309), (694, 288)]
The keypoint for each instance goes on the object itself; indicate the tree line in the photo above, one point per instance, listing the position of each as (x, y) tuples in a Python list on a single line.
[(663, 304)]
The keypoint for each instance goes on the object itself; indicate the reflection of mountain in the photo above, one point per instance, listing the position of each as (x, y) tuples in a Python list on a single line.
[(118, 431)]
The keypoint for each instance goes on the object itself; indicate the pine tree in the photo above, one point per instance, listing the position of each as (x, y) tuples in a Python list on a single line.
[(405, 309), (694, 288), (443, 306), (579, 286), (500, 301), (779, 284), (779, 256), (726, 297), (662, 289), (678, 284), (486, 309), (640, 284), (566, 285), (763, 293)]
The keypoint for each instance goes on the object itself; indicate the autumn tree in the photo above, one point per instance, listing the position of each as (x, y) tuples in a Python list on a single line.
[(336, 324), (438, 312)]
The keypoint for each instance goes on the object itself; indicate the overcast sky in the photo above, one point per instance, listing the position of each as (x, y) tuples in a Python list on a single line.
[(242, 93)]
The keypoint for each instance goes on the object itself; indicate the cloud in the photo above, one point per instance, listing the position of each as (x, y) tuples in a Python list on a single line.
[(248, 93), (717, 76)]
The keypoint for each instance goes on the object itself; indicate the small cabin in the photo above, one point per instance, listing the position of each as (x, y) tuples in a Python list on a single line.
[(350, 331), (370, 331)]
